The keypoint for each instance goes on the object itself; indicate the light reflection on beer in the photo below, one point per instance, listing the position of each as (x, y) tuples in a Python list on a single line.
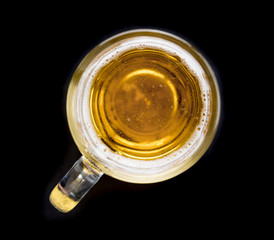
[(145, 104)]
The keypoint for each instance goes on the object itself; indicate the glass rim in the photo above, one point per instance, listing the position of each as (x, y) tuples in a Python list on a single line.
[(116, 171)]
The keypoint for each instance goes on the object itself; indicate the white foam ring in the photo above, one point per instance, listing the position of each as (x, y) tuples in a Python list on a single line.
[(102, 152)]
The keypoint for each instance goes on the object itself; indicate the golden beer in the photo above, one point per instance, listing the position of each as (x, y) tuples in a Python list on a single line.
[(146, 103), (143, 106)]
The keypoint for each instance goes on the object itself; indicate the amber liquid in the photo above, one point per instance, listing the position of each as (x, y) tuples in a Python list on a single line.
[(145, 104)]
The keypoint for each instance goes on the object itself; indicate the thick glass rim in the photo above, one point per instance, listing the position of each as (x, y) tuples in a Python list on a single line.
[(117, 171)]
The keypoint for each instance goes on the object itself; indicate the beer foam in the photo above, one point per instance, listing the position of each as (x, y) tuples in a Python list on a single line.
[(102, 152)]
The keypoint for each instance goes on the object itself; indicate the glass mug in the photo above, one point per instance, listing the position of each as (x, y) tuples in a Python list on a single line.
[(143, 106)]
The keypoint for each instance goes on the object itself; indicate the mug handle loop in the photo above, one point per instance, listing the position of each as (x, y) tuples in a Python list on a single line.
[(74, 185)]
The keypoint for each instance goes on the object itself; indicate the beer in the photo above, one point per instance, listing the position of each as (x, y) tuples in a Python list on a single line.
[(146, 102), (143, 102), (143, 106)]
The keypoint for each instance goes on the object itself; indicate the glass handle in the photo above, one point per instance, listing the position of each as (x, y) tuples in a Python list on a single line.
[(74, 185)]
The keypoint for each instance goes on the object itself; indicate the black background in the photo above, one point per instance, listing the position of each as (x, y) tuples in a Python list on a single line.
[(213, 197)]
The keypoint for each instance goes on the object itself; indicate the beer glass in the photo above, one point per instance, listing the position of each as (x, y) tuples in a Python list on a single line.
[(143, 106)]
